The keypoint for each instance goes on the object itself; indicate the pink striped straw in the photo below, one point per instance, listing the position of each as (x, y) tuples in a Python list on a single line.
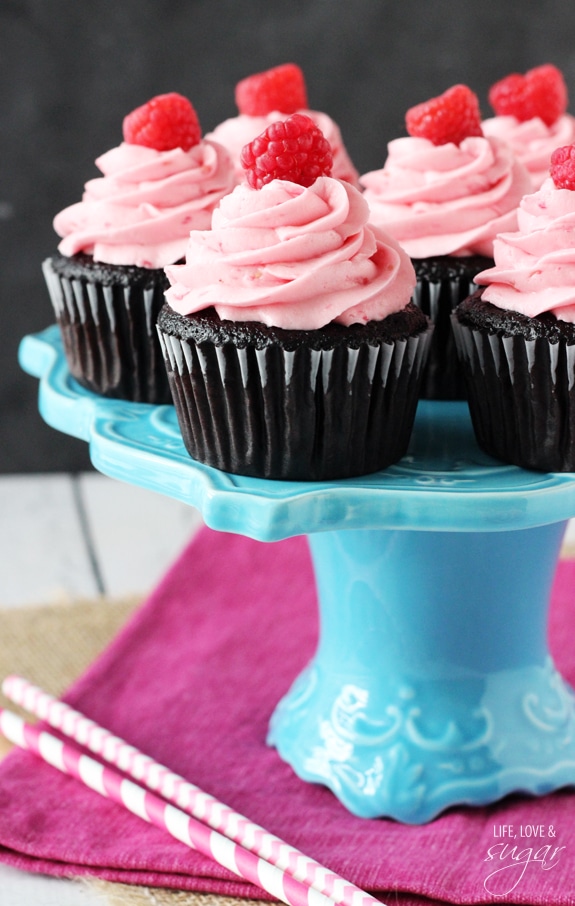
[(184, 795), (139, 801)]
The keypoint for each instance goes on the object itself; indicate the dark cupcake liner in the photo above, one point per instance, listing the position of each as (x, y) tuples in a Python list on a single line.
[(442, 283), (108, 330), (303, 414), (521, 396)]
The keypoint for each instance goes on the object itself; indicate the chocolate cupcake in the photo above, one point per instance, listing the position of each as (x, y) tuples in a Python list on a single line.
[(516, 335), (443, 281), (307, 405), (436, 194), (291, 344), (107, 318), (107, 281)]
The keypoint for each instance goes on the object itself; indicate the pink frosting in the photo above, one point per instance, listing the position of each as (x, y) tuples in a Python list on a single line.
[(293, 257), (142, 209), (532, 141), (446, 199), (237, 131), (535, 266)]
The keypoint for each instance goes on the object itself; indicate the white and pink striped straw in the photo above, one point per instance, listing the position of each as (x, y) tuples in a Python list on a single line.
[(139, 801), (185, 795)]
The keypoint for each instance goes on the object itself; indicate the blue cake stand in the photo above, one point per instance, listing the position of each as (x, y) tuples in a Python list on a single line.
[(432, 684)]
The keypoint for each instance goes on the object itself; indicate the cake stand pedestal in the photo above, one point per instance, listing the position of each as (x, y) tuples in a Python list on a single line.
[(432, 684)]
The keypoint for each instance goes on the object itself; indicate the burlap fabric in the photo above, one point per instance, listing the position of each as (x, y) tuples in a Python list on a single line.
[(51, 645)]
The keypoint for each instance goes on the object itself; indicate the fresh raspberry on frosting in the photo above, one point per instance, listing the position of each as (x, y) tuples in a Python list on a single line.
[(450, 117), (165, 122), (294, 149), (282, 88), (541, 92), (562, 167)]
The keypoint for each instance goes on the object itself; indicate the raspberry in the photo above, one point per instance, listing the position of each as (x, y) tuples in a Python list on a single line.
[(281, 88), (294, 149), (167, 121), (540, 92), (450, 117), (562, 167)]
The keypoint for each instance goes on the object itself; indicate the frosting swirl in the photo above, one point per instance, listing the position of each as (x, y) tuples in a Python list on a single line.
[(142, 209), (534, 268), (293, 257), (446, 199), (532, 141), (237, 131)]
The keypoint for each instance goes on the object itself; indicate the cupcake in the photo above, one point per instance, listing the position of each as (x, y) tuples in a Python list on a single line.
[(269, 96), (291, 344), (530, 115), (516, 334), (444, 193), (107, 280)]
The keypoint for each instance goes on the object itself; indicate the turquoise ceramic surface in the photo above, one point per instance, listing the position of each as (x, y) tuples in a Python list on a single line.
[(432, 684)]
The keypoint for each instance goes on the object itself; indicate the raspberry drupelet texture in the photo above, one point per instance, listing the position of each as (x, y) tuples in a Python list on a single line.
[(562, 167), (282, 88), (294, 149), (541, 92), (165, 122), (450, 117)]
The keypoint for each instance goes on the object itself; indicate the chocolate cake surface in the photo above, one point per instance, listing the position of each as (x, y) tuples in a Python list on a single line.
[(83, 267), (479, 314), (450, 267), (207, 327)]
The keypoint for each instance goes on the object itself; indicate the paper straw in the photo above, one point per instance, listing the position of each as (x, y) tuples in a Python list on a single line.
[(141, 802), (184, 794)]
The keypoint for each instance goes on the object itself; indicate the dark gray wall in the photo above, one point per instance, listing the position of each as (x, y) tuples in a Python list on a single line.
[(70, 70)]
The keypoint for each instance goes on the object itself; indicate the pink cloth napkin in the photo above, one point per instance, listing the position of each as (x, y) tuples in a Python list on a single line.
[(192, 680)]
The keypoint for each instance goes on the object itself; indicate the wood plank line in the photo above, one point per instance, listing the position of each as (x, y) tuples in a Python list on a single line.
[(135, 534), (84, 521)]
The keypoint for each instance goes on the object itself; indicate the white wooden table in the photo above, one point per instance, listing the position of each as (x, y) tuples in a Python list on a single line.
[(66, 537)]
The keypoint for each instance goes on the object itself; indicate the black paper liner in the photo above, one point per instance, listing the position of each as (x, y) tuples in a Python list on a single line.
[(442, 283), (107, 318), (520, 382), (281, 409)]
